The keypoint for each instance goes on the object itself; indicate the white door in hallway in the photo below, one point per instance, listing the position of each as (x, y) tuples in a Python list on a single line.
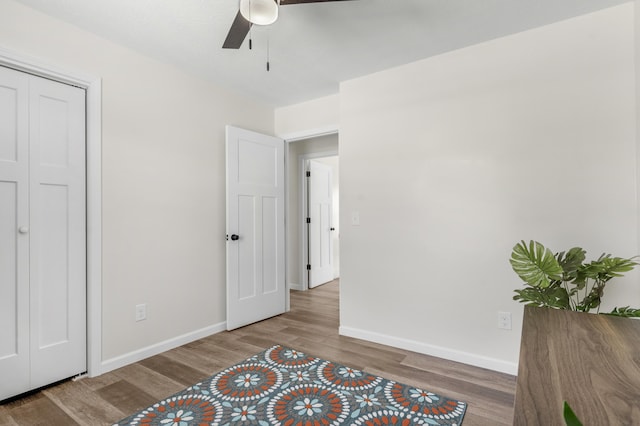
[(256, 287), (42, 232), (319, 210)]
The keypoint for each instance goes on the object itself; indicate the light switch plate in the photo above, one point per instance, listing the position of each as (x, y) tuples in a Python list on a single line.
[(355, 218), (141, 312)]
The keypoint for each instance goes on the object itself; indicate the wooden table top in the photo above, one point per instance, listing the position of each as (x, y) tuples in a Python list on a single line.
[(591, 361)]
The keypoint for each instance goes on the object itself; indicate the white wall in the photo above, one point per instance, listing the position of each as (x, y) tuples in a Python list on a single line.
[(636, 15), (452, 160), (309, 118), (163, 180), (295, 254)]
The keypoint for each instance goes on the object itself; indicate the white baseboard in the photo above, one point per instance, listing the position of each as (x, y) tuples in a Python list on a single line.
[(437, 351), (294, 286), (140, 354)]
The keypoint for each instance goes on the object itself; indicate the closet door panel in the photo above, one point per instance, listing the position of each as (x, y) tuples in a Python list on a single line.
[(57, 252), (14, 236)]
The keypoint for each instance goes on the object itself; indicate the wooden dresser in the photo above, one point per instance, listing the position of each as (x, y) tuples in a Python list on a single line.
[(591, 361)]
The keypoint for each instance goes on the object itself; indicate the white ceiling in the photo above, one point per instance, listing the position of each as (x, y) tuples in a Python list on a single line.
[(313, 47)]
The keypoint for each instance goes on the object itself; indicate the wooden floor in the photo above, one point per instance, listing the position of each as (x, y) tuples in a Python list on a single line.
[(310, 326)]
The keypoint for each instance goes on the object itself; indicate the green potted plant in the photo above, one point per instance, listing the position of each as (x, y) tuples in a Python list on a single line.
[(565, 280)]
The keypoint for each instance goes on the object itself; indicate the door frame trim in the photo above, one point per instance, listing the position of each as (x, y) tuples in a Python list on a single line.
[(93, 87), (303, 197), (288, 139), (310, 133)]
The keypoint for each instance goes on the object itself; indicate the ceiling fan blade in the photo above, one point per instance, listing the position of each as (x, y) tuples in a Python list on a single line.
[(285, 2), (240, 27), (237, 33)]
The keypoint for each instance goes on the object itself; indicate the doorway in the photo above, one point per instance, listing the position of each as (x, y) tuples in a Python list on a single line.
[(321, 219), (322, 149)]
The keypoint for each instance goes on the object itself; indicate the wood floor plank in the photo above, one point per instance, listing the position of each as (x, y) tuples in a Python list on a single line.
[(152, 382), (81, 403), (266, 341), (365, 345), (5, 417), (325, 321), (311, 326), (354, 346), (126, 397), (499, 381), (181, 373), (100, 381), (231, 344), (226, 352), (38, 410), (199, 356)]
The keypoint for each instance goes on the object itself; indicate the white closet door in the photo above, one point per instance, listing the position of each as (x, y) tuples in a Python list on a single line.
[(14, 246), (58, 229), (43, 219)]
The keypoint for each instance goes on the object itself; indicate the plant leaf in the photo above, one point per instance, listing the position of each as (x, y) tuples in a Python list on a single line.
[(625, 312), (554, 296), (535, 264), (594, 297), (570, 417), (607, 267), (616, 266), (571, 262)]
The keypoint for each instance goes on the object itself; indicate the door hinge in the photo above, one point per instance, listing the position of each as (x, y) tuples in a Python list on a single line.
[(308, 220), (308, 174), (308, 267)]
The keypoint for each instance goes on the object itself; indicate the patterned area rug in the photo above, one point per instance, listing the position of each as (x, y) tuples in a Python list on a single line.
[(282, 386)]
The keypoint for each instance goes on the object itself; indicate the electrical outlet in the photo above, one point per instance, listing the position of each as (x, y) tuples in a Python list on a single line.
[(504, 320), (141, 312)]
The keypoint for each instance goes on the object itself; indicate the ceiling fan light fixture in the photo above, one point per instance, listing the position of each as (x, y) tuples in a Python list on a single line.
[(259, 12)]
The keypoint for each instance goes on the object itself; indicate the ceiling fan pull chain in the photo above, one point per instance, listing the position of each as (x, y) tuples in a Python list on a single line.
[(268, 33), (250, 32)]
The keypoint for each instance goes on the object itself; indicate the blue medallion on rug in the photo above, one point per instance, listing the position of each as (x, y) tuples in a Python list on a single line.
[(283, 386)]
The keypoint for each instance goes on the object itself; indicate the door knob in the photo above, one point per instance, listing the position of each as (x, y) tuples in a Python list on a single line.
[(23, 229), (234, 237), (332, 229)]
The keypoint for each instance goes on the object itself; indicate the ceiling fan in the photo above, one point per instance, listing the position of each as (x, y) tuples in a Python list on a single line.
[(259, 12)]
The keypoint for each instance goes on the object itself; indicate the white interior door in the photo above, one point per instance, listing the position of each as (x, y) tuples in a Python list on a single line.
[(14, 244), (319, 213), (42, 232), (57, 231), (256, 287)]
